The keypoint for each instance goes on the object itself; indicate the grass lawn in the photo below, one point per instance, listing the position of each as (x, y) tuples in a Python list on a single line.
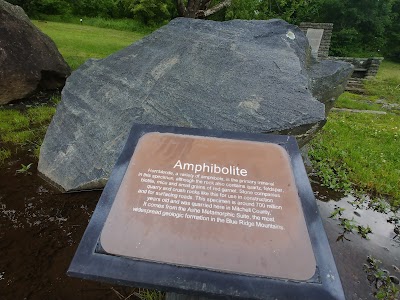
[(355, 101), (77, 43), (117, 24), (359, 150), (387, 83)]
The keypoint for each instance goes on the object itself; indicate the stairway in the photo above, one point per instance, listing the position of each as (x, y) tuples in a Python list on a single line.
[(355, 85)]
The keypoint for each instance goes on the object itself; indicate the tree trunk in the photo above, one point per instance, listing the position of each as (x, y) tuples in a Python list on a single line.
[(199, 8)]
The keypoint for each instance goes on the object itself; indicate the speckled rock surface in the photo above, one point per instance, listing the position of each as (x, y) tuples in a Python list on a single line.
[(29, 59), (251, 76)]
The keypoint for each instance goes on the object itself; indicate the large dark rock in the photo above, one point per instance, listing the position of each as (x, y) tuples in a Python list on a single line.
[(252, 76), (29, 60)]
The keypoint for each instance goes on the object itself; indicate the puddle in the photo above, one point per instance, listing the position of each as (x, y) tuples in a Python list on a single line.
[(40, 229), (350, 256)]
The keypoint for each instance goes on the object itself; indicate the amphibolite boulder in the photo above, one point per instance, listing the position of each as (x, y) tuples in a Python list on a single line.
[(29, 59), (251, 76)]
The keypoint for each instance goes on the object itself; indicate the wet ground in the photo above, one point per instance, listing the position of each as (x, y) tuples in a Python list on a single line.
[(351, 255), (40, 229), (39, 232)]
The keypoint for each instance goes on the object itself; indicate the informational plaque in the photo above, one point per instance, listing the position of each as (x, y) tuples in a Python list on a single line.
[(212, 213), (314, 37), (212, 203)]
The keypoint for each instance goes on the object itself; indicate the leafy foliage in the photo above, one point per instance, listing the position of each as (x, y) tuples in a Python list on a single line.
[(35, 7), (265, 9), (152, 12), (242, 9), (393, 33), (284, 9), (360, 27)]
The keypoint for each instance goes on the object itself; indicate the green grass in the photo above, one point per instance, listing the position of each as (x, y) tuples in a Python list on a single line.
[(358, 151), (386, 85), (40, 115), (12, 120), (77, 43), (145, 294), (26, 128), (117, 24), (354, 101), (361, 149), (384, 88), (4, 154)]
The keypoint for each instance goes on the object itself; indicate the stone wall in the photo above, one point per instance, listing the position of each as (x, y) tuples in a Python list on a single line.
[(323, 51), (364, 68)]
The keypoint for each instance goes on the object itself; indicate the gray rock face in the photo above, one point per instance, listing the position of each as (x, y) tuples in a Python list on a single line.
[(251, 76), (29, 60)]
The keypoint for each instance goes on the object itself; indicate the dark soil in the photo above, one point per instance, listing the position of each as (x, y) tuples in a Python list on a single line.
[(40, 230)]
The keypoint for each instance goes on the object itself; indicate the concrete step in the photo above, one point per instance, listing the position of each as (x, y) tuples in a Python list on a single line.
[(355, 90)]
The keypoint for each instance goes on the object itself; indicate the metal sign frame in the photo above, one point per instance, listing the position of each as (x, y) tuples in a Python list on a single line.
[(90, 262)]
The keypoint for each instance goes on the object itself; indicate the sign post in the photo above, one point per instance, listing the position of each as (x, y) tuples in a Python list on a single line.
[(209, 213)]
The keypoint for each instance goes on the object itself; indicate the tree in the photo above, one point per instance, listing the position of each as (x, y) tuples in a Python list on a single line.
[(359, 26), (283, 9), (267, 9), (242, 9), (36, 7), (200, 8), (152, 12), (393, 33), (93, 8)]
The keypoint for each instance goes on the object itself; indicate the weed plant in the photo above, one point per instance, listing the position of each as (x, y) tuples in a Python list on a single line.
[(349, 226), (24, 169), (386, 286), (4, 154), (142, 294)]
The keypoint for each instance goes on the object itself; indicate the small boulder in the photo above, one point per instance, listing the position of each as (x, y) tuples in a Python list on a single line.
[(251, 76), (29, 59)]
